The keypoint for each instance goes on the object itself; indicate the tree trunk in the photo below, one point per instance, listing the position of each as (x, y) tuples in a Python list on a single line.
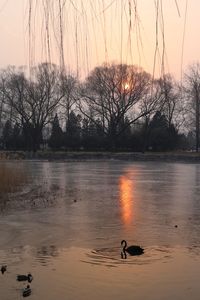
[(197, 120)]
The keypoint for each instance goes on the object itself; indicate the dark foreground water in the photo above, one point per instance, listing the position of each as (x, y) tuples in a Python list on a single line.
[(66, 230)]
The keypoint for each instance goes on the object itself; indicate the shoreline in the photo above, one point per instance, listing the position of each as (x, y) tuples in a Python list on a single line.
[(80, 156)]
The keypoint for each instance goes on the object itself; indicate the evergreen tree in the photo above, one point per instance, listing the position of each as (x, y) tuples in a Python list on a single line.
[(124, 137), (16, 138), (56, 138), (73, 131), (92, 134), (158, 132), (162, 136), (7, 135), (85, 133)]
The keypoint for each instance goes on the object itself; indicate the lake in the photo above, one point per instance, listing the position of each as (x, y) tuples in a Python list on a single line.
[(65, 222)]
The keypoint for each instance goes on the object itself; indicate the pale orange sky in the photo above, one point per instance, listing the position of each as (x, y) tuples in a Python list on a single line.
[(97, 31)]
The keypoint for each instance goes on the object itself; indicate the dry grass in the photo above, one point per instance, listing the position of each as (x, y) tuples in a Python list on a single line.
[(11, 179), (16, 192)]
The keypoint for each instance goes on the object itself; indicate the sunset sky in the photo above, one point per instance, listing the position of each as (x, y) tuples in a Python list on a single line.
[(100, 31)]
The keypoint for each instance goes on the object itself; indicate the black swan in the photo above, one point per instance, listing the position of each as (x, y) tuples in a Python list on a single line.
[(132, 250), (28, 277)]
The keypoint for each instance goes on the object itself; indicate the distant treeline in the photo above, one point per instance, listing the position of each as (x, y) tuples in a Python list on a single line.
[(117, 107)]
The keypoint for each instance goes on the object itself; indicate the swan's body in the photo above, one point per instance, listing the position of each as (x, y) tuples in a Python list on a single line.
[(28, 277), (132, 250), (26, 291)]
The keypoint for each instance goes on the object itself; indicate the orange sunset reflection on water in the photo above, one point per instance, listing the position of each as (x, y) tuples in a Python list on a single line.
[(126, 199)]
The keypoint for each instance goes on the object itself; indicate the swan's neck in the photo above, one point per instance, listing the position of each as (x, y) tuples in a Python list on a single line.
[(125, 245), (123, 255)]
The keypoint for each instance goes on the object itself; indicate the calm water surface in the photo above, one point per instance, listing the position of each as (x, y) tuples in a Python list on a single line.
[(71, 242)]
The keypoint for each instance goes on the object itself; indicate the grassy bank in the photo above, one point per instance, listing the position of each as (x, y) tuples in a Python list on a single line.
[(81, 155)]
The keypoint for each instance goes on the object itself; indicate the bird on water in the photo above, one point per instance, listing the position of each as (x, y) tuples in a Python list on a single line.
[(26, 291), (28, 277), (3, 269), (131, 250)]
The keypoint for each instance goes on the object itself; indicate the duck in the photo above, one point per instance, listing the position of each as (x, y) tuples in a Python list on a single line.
[(131, 250), (28, 277), (3, 269), (26, 291)]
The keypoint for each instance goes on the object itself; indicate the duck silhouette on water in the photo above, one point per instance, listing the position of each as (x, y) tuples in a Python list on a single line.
[(28, 277), (26, 291), (131, 250), (3, 269)]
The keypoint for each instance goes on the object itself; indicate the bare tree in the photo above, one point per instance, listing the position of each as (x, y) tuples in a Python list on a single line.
[(69, 85), (192, 89), (34, 101), (149, 105), (112, 93), (1, 104), (6, 111), (172, 102)]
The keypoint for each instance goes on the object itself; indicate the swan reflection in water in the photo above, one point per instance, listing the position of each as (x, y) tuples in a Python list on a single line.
[(131, 250)]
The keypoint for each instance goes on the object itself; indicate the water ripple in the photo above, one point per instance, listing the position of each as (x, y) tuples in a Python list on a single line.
[(111, 257)]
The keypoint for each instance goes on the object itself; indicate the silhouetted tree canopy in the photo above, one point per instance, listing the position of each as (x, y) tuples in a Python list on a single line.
[(192, 97), (110, 94), (73, 130), (117, 107)]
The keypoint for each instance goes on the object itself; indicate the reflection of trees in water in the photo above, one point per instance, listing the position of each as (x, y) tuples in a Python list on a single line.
[(160, 184), (2, 203), (67, 185), (164, 195), (173, 198), (193, 209)]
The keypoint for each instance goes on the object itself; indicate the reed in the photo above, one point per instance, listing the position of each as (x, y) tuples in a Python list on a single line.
[(11, 179)]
